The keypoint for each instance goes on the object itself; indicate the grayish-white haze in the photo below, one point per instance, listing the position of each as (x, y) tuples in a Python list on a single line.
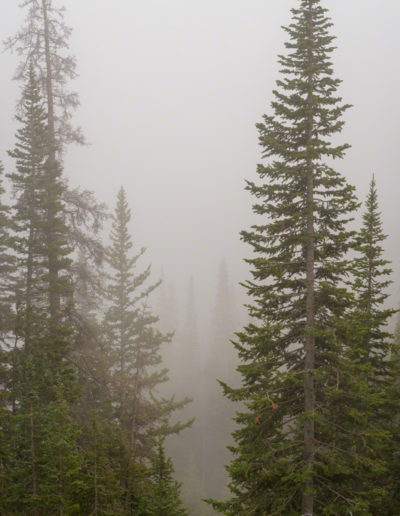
[(170, 92)]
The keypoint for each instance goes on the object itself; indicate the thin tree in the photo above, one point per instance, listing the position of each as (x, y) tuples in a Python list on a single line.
[(166, 499), (134, 352), (373, 355), (43, 42)]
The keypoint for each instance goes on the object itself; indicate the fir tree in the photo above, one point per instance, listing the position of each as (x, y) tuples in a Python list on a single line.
[(166, 498), (30, 154), (293, 358), (187, 458), (374, 370), (43, 44), (371, 280), (134, 353), (43, 41), (42, 384)]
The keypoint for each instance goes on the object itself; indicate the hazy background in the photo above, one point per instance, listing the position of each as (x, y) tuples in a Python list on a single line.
[(170, 93)]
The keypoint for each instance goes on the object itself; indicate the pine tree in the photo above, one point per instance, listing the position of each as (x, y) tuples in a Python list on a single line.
[(43, 42), (371, 281), (374, 370), (45, 464), (166, 498), (134, 353), (30, 154), (294, 362)]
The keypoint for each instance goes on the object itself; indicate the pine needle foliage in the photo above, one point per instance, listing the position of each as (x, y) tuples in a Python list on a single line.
[(371, 273), (294, 353), (133, 344), (166, 497), (372, 354), (44, 465)]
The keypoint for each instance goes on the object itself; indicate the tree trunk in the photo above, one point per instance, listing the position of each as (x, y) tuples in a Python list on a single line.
[(309, 348), (54, 297), (29, 286), (33, 458)]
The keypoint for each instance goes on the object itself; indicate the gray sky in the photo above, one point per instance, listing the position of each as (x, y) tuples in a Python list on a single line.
[(170, 93)]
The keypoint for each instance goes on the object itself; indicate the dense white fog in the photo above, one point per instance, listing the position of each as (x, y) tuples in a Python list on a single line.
[(170, 95)]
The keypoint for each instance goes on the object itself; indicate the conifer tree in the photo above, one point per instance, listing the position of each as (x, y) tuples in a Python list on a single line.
[(30, 154), (371, 280), (45, 463), (134, 353), (294, 358), (43, 42), (374, 369), (166, 498)]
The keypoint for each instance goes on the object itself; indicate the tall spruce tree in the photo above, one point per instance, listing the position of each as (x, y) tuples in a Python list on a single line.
[(45, 463), (28, 180), (42, 43), (293, 358)]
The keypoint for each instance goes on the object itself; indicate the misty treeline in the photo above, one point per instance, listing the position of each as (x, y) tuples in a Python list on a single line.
[(88, 417)]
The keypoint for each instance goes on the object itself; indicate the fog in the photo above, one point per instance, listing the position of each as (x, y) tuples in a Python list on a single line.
[(170, 93)]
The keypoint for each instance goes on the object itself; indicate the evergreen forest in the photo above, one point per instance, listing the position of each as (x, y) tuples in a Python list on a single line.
[(118, 396)]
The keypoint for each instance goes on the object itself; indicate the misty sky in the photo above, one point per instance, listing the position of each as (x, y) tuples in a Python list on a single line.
[(171, 91)]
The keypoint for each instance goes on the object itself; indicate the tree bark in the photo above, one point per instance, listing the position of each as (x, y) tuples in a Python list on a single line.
[(54, 297), (33, 457), (309, 348)]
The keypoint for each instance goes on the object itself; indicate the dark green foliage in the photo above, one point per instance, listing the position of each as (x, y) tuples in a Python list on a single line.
[(166, 496), (44, 467), (294, 448), (371, 281), (133, 352), (373, 354)]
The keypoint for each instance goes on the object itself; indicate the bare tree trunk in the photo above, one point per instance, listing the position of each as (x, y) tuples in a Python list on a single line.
[(309, 348)]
